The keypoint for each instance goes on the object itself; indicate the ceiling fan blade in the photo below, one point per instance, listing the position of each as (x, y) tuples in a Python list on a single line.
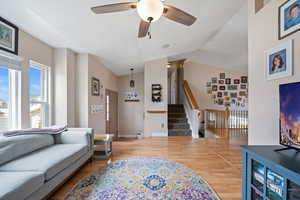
[(144, 28), (178, 15), (114, 7)]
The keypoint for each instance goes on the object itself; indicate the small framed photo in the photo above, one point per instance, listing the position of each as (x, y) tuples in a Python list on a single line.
[(209, 91), (236, 81), (214, 80), (222, 75), (289, 18), (233, 95), (244, 79), (9, 36), (221, 82), (243, 87), (232, 87), (208, 84), (279, 61), (227, 104), (243, 93), (220, 94), (225, 93), (214, 88), (227, 99), (228, 81), (222, 87), (95, 86), (220, 102)]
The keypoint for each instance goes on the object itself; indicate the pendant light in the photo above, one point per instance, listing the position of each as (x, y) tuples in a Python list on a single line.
[(132, 82)]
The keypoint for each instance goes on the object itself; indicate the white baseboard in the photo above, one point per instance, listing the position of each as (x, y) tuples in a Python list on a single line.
[(160, 135), (127, 136)]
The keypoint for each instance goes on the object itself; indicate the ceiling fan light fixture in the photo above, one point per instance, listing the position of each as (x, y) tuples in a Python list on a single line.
[(150, 10)]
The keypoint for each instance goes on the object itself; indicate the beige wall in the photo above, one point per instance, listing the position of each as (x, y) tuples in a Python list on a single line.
[(199, 74), (131, 114), (109, 81), (263, 94), (156, 72), (31, 48)]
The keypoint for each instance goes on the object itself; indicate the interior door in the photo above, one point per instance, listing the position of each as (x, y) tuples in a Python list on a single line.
[(111, 112)]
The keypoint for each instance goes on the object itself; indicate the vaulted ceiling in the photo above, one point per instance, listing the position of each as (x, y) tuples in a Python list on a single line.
[(219, 36)]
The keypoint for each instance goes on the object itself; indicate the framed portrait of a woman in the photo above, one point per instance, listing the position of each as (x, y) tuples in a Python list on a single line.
[(279, 61)]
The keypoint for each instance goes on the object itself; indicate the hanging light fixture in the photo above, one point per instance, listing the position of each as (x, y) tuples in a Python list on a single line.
[(132, 82)]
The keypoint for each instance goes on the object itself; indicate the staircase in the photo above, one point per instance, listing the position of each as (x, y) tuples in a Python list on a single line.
[(177, 121)]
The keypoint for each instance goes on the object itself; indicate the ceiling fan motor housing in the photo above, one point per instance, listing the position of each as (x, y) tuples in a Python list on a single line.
[(150, 10)]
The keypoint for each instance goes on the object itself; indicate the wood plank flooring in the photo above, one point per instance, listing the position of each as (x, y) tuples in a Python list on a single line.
[(216, 160)]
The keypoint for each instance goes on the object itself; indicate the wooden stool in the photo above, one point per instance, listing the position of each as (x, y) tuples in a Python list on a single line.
[(103, 146)]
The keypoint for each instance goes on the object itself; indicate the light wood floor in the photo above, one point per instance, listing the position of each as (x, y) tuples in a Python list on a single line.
[(216, 160)]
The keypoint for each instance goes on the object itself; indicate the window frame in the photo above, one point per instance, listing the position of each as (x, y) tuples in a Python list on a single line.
[(45, 101)]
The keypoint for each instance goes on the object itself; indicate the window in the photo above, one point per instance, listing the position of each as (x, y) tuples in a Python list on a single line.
[(9, 99), (39, 90)]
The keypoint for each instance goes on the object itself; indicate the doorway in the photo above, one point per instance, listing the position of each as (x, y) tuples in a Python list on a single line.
[(111, 112)]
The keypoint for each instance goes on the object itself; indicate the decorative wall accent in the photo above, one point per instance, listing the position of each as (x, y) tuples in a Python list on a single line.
[(289, 18), (156, 93), (227, 91), (9, 36), (95, 87)]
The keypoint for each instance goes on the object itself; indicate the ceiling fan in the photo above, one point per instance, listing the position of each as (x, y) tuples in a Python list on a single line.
[(149, 11)]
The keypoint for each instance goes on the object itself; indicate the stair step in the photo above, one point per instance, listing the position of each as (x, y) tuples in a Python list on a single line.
[(177, 120), (176, 115), (175, 105), (178, 125), (179, 132)]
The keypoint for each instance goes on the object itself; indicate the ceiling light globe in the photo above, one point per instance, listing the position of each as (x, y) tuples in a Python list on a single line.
[(150, 9)]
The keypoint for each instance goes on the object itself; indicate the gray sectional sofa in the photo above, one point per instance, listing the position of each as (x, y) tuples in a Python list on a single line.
[(32, 166)]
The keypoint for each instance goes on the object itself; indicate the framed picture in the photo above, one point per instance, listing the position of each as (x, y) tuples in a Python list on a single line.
[(233, 95), (208, 84), (227, 104), (9, 36), (209, 91), (232, 87), (95, 86), (220, 101), (243, 93), (222, 87), (227, 99), (228, 81), (279, 61), (221, 82), (243, 87), (214, 88), (225, 93), (222, 75), (289, 18), (244, 79), (214, 80), (236, 81), (220, 94)]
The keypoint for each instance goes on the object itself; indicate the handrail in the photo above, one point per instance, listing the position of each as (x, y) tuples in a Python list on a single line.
[(226, 120), (190, 95)]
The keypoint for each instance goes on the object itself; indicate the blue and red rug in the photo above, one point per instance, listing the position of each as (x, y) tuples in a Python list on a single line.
[(143, 179)]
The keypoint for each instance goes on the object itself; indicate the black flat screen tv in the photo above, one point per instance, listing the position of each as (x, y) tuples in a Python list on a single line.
[(290, 115)]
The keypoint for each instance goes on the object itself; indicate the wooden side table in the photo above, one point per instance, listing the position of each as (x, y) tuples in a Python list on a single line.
[(103, 146)]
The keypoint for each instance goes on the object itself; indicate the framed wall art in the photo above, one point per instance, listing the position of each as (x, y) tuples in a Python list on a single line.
[(95, 86), (9, 36), (279, 61), (289, 18)]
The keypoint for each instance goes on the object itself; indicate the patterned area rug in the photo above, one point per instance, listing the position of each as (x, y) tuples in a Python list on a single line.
[(143, 179)]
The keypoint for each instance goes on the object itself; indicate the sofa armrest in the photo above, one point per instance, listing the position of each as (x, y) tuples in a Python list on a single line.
[(78, 136)]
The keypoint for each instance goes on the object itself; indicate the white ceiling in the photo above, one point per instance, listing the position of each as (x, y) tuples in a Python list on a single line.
[(219, 36)]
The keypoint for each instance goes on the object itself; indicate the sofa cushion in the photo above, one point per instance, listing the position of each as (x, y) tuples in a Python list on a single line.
[(50, 160), (14, 147), (19, 185)]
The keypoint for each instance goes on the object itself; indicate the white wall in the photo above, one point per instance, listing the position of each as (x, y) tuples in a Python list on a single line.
[(198, 75), (131, 114), (264, 95), (31, 48), (64, 84), (156, 73)]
